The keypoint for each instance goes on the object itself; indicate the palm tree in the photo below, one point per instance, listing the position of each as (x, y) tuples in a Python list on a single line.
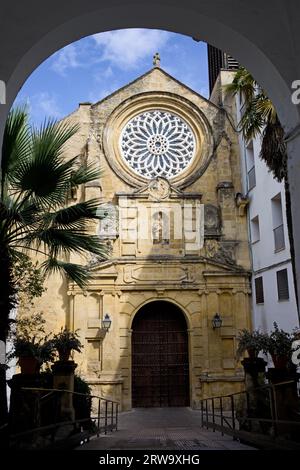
[(35, 216), (260, 117)]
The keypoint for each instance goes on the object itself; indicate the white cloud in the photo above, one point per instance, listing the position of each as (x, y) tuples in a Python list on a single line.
[(45, 104), (66, 58), (103, 74), (126, 48)]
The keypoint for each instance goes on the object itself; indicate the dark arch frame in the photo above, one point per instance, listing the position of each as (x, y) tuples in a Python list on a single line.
[(272, 58)]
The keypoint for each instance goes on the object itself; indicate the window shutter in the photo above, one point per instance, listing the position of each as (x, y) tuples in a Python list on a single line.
[(283, 284), (259, 290)]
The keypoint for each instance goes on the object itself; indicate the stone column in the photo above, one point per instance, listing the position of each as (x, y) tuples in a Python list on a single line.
[(110, 378), (194, 403), (24, 410), (63, 378), (255, 404)]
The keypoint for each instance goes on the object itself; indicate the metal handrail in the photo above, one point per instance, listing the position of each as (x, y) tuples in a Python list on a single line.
[(230, 424), (33, 389), (110, 417)]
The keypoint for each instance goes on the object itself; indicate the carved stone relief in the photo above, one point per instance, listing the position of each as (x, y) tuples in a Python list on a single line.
[(159, 189), (226, 194), (108, 227), (161, 273), (222, 252)]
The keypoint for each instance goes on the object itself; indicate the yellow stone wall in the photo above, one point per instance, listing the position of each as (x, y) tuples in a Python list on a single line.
[(201, 281)]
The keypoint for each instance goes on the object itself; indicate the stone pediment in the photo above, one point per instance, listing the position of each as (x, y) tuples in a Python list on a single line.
[(104, 269), (156, 79), (165, 270)]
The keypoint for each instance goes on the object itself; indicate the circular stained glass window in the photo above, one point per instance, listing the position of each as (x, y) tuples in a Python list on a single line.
[(157, 143)]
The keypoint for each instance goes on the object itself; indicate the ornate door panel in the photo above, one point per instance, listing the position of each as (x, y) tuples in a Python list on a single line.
[(160, 362)]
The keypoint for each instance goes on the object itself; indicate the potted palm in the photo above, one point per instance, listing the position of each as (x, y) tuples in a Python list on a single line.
[(65, 342)]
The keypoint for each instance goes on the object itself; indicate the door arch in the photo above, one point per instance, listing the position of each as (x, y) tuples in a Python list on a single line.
[(160, 356)]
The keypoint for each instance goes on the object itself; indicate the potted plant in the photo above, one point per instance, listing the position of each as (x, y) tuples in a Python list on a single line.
[(31, 353), (279, 346), (66, 341), (30, 345), (252, 342)]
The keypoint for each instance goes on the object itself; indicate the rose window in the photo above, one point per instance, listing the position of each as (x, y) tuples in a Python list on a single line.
[(157, 143)]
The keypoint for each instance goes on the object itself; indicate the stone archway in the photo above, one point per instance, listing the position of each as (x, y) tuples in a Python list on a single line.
[(272, 56), (160, 356)]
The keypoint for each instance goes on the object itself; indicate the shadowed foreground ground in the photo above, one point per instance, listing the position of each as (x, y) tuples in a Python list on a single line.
[(163, 429)]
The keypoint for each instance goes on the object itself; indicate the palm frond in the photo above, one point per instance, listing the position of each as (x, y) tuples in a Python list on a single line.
[(46, 174), (16, 142), (64, 241), (85, 174), (34, 216), (244, 84), (51, 137), (77, 273), (68, 215), (251, 123), (265, 108), (273, 150)]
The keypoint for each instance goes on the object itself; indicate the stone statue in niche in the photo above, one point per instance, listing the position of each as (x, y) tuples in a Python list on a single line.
[(160, 228), (212, 221)]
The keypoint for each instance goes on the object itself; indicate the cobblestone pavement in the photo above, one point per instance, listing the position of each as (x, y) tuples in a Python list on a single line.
[(163, 428)]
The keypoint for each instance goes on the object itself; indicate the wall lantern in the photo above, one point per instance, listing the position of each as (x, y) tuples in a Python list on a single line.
[(106, 322), (217, 321)]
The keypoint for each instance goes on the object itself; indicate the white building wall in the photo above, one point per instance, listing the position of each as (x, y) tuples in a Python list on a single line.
[(266, 261)]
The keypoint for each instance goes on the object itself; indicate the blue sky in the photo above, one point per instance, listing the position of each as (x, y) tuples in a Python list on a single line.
[(95, 66)]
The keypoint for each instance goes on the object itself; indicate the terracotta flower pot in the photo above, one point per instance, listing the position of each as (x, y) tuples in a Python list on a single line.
[(64, 355), (251, 353), (29, 365), (280, 362)]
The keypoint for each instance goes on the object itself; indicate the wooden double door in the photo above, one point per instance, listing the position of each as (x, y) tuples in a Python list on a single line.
[(160, 359)]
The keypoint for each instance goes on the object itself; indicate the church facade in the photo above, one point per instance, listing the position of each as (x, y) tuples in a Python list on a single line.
[(176, 229)]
